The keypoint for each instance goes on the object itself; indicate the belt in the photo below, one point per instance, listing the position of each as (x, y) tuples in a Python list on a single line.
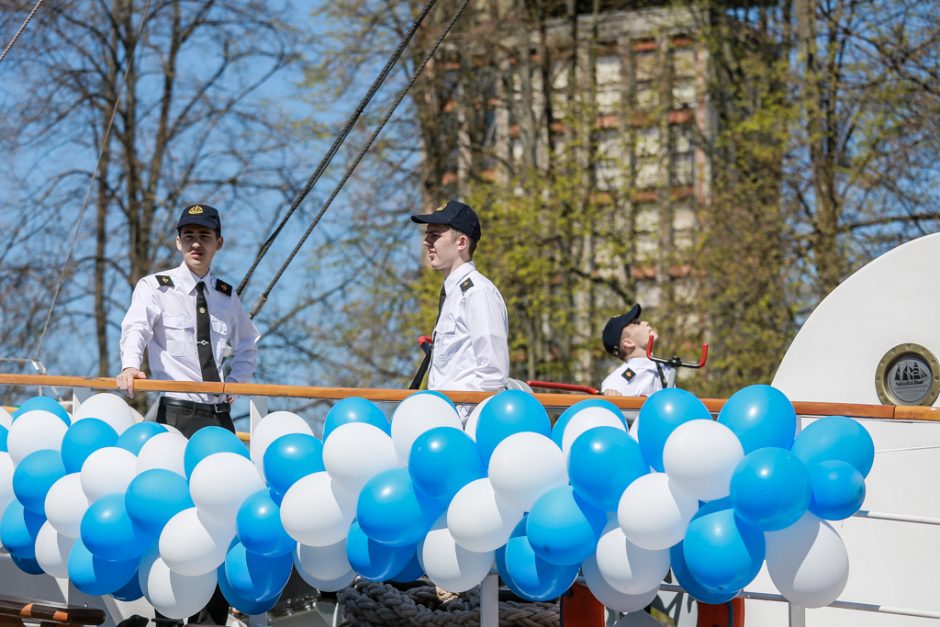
[(212, 408)]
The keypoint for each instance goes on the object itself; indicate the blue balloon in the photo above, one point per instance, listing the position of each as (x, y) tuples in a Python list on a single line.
[(660, 415), (130, 591), (154, 497), (558, 431), (355, 409), (838, 489), (19, 528), (527, 574), (84, 438), (33, 477), (690, 584), (290, 458), (134, 438), (259, 527), (45, 403), (443, 460), (509, 412), (392, 512), (252, 607), (562, 528), (836, 438), (411, 572), (602, 462), (95, 576), (373, 560), (761, 416), (207, 441), (28, 565), (252, 577), (4, 432), (770, 489), (109, 533), (723, 552)]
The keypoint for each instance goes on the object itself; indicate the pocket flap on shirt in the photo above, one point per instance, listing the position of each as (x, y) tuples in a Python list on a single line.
[(177, 322), (446, 325), (219, 326)]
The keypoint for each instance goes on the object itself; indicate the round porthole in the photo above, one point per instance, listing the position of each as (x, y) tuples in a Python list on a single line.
[(908, 374)]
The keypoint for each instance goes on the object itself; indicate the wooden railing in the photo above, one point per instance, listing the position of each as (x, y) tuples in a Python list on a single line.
[(898, 412)]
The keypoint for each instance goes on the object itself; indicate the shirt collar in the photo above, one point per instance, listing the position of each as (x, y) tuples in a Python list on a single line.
[(641, 363), (457, 276), (187, 279)]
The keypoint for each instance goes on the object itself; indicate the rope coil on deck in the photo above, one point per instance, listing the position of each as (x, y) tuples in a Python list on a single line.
[(371, 604)]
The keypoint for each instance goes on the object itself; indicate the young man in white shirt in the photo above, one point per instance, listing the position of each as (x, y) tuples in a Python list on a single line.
[(626, 337), (470, 349), (184, 318)]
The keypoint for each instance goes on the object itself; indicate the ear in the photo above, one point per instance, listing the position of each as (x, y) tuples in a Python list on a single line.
[(463, 242), (179, 244), (221, 242), (627, 346)]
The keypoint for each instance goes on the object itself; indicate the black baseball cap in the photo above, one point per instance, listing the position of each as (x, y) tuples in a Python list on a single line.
[(201, 215), (456, 215), (613, 330)]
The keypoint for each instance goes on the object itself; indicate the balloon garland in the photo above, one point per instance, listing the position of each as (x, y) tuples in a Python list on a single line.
[(136, 510)]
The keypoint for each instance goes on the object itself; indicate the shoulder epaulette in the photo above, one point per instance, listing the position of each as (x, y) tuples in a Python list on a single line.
[(223, 287), (628, 374), (164, 280), (466, 285)]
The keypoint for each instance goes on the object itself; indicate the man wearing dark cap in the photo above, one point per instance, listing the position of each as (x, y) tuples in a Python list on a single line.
[(626, 337), (470, 349), (185, 318)]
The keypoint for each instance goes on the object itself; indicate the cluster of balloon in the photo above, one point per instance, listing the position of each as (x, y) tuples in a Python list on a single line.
[(137, 510)]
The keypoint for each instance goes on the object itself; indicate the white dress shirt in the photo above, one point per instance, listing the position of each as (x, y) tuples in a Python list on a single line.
[(636, 377), (471, 349), (162, 319)]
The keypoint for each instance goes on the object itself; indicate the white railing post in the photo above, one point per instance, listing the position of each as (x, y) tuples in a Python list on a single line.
[(257, 409), (489, 601), (797, 615)]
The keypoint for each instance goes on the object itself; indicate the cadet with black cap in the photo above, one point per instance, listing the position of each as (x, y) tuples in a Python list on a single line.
[(470, 349), (626, 337), (184, 318)]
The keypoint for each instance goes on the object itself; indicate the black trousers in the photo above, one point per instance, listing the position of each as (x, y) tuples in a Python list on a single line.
[(189, 417)]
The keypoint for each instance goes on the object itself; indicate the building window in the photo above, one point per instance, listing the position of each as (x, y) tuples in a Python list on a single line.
[(683, 156)]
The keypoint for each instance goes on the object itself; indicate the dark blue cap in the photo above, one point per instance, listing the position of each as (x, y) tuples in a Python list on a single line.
[(201, 215), (613, 330), (456, 215)]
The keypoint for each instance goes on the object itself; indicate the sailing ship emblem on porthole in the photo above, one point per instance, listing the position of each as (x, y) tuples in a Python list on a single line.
[(908, 374)]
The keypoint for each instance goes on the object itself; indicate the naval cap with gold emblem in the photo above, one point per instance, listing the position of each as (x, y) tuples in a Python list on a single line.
[(201, 215), (456, 215)]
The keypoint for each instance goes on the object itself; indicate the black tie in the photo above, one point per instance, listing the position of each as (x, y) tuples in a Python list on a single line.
[(203, 339), (423, 368)]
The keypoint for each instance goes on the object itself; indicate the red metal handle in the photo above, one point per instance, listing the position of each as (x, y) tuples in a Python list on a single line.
[(564, 387)]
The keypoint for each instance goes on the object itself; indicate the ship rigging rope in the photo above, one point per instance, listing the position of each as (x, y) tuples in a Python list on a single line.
[(337, 142), (66, 268), (352, 167), (3, 55)]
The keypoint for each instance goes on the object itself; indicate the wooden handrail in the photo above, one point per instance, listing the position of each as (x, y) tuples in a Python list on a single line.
[(806, 408), (59, 614)]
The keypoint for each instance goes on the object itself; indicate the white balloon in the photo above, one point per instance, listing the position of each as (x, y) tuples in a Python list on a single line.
[(479, 519), (165, 451), (270, 428), (173, 594), (221, 482), (193, 544), (415, 415), (324, 563), (6, 480), (700, 456), (589, 418), (65, 505), (449, 565), (108, 470), (471, 427), (316, 511), (355, 452), (608, 596), (6, 418), (628, 568), (808, 562), (110, 408), (34, 431), (654, 513), (525, 466), (327, 585), (52, 551)]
